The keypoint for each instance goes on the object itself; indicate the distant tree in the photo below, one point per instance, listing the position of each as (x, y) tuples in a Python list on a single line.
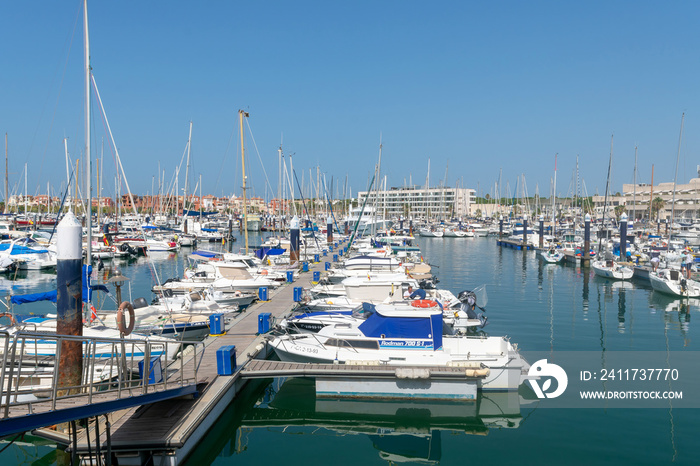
[(487, 197), (656, 205), (619, 209), (478, 212)]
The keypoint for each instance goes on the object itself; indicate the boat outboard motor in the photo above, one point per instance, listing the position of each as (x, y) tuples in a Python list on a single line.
[(426, 284), (139, 303), (468, 300)]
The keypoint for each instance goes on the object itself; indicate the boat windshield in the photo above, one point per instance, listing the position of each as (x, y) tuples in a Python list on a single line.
[(356, 344), (364, 311)]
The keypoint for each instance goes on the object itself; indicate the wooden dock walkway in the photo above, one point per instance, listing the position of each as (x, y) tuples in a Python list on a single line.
[(172, 428), (269, 369)]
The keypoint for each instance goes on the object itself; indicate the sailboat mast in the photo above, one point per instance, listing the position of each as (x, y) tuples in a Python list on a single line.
[(97, 170), (187, 173), (68, 199), (675, 178), (554, 195), (88, 168), (634, 190), (376, 204), (607, 187), (6, 177), (26, 215), (651, 193), (242, 114), (279, 180)]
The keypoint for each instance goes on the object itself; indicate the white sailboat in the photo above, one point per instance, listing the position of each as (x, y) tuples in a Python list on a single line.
[(611, 269)]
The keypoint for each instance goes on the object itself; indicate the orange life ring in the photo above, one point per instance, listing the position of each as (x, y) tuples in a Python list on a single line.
[(13, 321), (263, 272), (123, 328), (423, 303)]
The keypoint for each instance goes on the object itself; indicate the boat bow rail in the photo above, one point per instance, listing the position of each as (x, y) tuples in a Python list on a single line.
[(115, 375)]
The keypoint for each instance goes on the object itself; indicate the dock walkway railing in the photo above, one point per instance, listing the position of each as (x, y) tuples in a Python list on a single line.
[(116, 373)]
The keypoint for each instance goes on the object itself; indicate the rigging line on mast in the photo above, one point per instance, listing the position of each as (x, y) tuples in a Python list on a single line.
[(60, 88), (126, 182), (308, 214), (250, 131), (223, 159), (330, 206)]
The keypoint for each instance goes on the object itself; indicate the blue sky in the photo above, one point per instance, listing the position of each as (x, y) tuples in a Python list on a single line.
[(483, 86)]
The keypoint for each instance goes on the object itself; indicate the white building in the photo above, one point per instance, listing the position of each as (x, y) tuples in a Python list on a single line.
[(687, 198), (420, 203)]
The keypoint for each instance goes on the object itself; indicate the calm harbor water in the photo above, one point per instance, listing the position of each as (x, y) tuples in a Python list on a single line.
[(544, 308)]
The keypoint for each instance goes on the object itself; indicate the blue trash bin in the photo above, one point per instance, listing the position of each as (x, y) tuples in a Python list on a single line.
[(325, 253), (317, 276), (328, 265), (226, 360), (264, 322), (290, 277), (317, 258), (305, 266), (297, 293), (155, 370), (216, 324), (335, 257), (262, 293)]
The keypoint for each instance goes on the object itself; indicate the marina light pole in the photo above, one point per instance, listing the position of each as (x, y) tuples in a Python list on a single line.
[(586, 241), (329, 230), (294, 240), (69, 299), (623, 237)]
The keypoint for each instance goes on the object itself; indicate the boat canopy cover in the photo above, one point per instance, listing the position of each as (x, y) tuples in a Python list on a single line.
[(262, 252), (50, 295), (19, 249), (34, 297), (380, 326), (196, 213), (207, 254)]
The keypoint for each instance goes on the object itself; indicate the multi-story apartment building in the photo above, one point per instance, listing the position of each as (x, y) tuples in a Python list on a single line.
[(421, 203)]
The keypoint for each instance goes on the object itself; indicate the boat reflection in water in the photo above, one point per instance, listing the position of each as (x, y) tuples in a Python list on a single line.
[(400, 430)]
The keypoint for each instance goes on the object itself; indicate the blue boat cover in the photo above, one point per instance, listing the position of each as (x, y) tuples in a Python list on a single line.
[(262, 252), (379, 326), (34, 297), (19, 249), (196, 213), (207, 254), (49, 296)]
